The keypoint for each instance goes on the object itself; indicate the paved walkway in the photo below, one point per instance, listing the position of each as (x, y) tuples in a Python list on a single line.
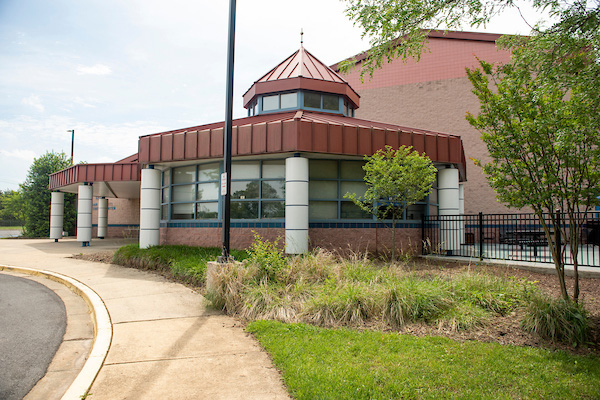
[(165, 343)]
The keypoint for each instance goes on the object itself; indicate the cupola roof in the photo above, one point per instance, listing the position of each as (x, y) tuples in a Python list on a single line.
[(301, 70)]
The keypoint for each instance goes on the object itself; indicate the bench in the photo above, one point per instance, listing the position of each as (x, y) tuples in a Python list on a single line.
[(533, 239)]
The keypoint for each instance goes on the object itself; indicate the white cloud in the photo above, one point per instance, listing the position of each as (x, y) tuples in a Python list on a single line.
[(35, 102), (26, 155), (97, 69)]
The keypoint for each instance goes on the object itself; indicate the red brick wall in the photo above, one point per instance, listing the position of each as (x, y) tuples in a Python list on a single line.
[(435, 94), (124, 213), (344, 240)]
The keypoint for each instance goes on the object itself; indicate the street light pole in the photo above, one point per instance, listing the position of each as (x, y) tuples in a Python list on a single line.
[(226, 190), (72, 143)]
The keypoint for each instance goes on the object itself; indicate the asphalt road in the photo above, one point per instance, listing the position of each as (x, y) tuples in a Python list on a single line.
[(32, 325)]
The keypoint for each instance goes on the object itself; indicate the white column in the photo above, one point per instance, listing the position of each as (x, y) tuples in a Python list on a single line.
[(296, 205), (102, 217), (84, 214), (57, 213), (449, 209), (461, 210), (150, 208)]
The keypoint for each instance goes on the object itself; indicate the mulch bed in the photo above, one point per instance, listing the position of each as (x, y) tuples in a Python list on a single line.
[(503, 330)]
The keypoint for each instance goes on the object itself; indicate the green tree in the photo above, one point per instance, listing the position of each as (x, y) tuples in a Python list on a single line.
[(11, 208), (395, 179), (541, 129), (36, 195)]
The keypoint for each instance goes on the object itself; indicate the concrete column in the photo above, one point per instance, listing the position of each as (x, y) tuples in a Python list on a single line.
[(102, 217), (461, 210), (57, 215), (449, 210), (150, 208), (296, 205), (84, 214)]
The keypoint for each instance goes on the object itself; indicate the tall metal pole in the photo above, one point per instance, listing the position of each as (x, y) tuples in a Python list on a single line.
[(72, 144), (228, 133)]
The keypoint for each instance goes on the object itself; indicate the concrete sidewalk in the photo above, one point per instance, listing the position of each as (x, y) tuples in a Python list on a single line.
[(165, 343)]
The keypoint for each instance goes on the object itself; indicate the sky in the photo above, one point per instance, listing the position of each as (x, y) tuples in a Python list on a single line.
[(114, 70)]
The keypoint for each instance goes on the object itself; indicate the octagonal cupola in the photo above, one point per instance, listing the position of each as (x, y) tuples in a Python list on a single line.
[(301, 82)]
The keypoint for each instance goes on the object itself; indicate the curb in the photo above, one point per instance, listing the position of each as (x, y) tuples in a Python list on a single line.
[(102, 329)]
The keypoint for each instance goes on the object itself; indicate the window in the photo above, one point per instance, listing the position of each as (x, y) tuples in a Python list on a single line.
[(271, 103), (330, 180), (331, 102), (312, 100), (193, 192), (289, 100)]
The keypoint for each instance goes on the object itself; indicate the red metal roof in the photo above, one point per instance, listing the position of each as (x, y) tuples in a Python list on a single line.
[(301, 70), (299, 131), (120, 179), (302, 63)]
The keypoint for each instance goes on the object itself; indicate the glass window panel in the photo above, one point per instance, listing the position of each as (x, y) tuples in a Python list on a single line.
[(164, 212), (273, 209), (244, 209), (322, 209), (273, 169), (165, 195), (323, 189), (331, 102), (270, 103), (184, 174), (208, 172), (245, 170), (244, 190), (184, 193), (353, 187), (289, 100), (415, 211), (312, 100), (352, 211), (273, 189), (322, 169), (182, 211), (207, 210), (166, 178), (208, 191), (352, 170)]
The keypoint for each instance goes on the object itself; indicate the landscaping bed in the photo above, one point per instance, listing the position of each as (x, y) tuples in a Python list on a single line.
[(504, 329)]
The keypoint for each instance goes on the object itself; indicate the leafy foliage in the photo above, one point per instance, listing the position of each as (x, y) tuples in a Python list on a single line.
[(11, 208), (267, 256), (36, 196), (399, 28), (395, 180)]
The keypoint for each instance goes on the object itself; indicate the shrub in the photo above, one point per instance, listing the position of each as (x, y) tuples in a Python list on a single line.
[(267, 257), (557, 320)]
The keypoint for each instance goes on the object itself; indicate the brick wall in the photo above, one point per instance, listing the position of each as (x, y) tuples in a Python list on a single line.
[(435, 94), (123, 217), (344, 240)]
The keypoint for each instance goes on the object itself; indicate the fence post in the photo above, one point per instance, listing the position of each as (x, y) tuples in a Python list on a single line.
[(423, 234), (480, 236), (557, 238)]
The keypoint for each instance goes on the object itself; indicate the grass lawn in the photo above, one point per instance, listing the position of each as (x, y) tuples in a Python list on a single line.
[(185, 263), (10, 228), (320, 363)]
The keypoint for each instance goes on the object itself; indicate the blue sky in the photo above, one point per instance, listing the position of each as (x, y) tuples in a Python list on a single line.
[(115, 70)]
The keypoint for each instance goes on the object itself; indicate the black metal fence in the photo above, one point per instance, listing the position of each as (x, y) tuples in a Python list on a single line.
[(517, 237)]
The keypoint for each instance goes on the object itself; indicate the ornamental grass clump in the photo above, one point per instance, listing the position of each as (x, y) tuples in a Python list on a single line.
[(557, 320)]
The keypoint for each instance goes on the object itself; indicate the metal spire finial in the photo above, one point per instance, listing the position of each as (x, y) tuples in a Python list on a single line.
[(301, 37)]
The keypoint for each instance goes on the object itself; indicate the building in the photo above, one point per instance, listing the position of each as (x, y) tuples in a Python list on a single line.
[(435, 93), (294, 157)]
